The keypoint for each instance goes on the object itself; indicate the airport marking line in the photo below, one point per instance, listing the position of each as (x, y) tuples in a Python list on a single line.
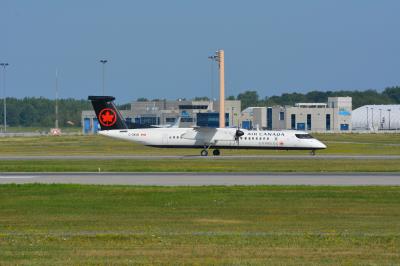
[(17, 177), (207, 179), (196, 157)]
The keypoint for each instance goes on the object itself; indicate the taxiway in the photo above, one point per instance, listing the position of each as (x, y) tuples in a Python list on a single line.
[(206, 179), (224, 157)]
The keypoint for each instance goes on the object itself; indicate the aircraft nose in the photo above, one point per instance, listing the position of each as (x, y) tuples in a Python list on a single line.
[(321, 145)]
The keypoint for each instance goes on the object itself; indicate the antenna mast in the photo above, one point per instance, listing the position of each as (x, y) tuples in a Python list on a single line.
[(56, 110)]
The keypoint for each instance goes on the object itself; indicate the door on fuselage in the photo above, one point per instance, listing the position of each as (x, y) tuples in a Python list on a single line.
[(275, 141), (165, 139)]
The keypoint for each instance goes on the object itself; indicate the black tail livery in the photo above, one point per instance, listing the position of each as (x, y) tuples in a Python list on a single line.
[(107, 114)]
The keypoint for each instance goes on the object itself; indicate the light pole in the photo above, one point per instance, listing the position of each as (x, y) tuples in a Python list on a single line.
[(372, 110), (212, 58), (232, 115), (4, 65), (103, 61), (56, 122)]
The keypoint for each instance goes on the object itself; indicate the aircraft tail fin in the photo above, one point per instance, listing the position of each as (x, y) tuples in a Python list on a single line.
[(177, 122), (106, 112)]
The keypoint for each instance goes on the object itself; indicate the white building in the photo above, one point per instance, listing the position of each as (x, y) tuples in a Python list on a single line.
[(333, 116), (376, 117)]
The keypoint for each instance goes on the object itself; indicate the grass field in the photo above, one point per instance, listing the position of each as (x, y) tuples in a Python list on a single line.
[(279, 225), (366, 144), (202, 165), (71, 224)]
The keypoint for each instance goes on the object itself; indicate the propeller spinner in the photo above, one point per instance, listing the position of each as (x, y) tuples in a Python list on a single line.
[(238, 134)]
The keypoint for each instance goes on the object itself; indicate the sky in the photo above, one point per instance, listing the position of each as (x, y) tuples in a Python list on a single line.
[(160, 49)]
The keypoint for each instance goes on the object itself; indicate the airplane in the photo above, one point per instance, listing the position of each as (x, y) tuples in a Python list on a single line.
[(113, 125)]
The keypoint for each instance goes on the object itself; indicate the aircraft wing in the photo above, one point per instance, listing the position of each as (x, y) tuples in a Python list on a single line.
[(209, 135)]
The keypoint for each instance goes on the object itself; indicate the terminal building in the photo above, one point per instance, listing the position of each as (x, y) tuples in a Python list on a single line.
[(333, 116), (166, 113)]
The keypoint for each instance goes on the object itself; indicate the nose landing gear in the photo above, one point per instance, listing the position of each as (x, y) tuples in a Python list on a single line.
[(312, 152)]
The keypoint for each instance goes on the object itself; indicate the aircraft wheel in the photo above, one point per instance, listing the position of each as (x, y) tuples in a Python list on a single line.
[(204, 153), (312, 152), (216, 152)]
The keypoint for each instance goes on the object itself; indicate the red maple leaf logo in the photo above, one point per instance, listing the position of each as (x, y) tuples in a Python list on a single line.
[(107, 117)]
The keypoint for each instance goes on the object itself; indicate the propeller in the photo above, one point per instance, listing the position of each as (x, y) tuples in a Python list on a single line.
[(238, 134)]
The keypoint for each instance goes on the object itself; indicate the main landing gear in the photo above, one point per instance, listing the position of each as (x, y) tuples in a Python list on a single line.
[(204, 152), (216, 152)]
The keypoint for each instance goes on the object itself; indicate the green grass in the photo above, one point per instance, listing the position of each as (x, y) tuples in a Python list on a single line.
[(69, 129), (202, 165), (72, 224), (360, 138), (366, 144)]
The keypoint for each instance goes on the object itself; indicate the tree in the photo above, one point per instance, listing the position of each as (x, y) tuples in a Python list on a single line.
[(248, 98), (393, 93), (28, 116), (40, 111), (142, 100), (125, 106), (316, 96), (203, 98), (286, 99)]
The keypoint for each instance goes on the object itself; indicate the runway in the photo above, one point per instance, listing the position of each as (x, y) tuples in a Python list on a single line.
[(197, 157), (206, 179)]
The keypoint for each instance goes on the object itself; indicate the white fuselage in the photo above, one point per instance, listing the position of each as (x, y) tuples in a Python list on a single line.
[(218, 138)]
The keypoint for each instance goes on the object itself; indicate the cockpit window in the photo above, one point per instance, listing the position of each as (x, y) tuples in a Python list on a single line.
[(304, 136)]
